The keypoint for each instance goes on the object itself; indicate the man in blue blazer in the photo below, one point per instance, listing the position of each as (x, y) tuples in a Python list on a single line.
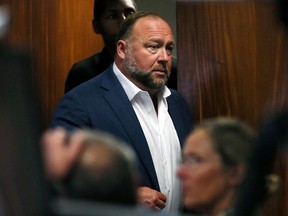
[(130, 101)]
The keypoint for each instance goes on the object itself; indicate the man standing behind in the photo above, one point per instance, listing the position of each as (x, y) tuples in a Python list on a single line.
[(131, 101), (108, 17)]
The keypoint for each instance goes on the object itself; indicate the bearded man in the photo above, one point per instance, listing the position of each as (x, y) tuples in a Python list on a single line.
[(131, 101)]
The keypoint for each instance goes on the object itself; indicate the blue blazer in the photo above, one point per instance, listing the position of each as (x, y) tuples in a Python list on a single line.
[(102, 104)]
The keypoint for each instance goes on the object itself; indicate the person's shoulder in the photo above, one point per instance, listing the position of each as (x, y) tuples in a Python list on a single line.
[(94, 84), (87, 61), (103, 59), (93, 65), (86, 87), (82, 71)]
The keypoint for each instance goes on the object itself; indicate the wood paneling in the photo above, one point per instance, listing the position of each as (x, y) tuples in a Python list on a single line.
[(233, 60), (58, 33)]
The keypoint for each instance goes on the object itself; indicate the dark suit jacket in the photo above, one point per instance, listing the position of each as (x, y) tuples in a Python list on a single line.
[(99, 62), (101, 103)]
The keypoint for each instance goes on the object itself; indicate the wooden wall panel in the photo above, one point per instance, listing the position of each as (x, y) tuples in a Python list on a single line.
[(233, 60), (58, 33)]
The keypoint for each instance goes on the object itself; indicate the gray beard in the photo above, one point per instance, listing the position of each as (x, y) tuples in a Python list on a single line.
[(143, 77)]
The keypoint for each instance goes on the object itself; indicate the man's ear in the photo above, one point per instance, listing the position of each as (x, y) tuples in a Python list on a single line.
[(96, 27), (121, 49), (237, 175)]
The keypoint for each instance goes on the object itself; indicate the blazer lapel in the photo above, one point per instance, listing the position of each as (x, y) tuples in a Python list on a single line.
[(181, 124), (121, 105)]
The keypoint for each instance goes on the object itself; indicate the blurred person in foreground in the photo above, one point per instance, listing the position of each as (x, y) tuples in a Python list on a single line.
[(261, 182), (93, 172), (104, 171), (131, 101), (215, 156), (20, 129)]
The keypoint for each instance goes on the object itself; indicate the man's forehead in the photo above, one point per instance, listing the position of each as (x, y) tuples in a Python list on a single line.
[(152, 22), (152, 27), (120, 5)]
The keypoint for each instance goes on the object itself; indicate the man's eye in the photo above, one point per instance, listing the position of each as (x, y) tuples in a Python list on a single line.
[(153, 48), (169, 50), (110, 16), (128, 13)]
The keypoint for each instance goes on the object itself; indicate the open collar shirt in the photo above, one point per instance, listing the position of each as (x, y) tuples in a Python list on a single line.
[(161, 137)]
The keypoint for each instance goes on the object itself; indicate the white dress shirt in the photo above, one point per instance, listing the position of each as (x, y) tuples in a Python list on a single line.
[(161, 137)]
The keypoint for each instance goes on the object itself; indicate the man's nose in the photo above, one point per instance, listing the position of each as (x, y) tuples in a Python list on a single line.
[(163, 56)]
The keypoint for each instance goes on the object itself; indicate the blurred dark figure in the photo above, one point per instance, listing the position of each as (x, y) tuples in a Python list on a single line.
[(22, 186), (95, 174), (273, 135), (283, 11)]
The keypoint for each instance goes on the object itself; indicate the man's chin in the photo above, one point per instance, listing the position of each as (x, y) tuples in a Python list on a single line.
[(161, 80), (158, 84)]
